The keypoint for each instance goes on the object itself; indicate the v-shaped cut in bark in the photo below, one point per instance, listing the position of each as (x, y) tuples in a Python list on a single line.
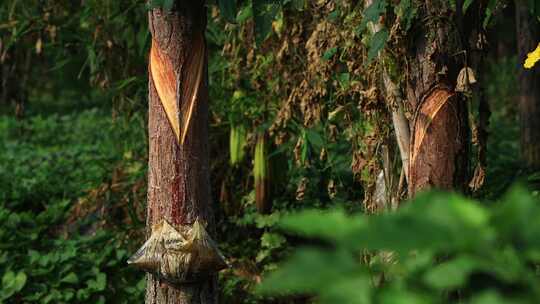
[(429, 109), (179, 108), (192, 80), (164, 79)]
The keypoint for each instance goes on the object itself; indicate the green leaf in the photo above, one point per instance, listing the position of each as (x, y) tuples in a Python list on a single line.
[(263, 221), (228, 9), (402, 296), (305, 148), (315, 139), (298, 5), (12, 283), (294, 276), (272, 240), (329, 53), (152, 4), (517, 218), (406, 11), (355, 289), (264, 13), (344, 80), (451, 274), (490, 297), (489, 12), (168, 5), (466, 5), (333, 225), (99, 283), (70, 278), (244, 14), (335, 15), (377, 43), (372, 13)]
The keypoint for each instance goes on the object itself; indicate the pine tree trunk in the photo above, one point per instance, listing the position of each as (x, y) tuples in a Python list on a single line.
[(439, 128), (178, 174), (529, 86)]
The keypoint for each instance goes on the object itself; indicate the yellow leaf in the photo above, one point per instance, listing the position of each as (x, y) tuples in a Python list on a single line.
[(532, 58)]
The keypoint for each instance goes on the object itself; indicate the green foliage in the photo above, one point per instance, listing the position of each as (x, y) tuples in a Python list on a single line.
[(237, 143), (406, 11), (228, 9), (11, 284), (534, 6), (372, 13), (264, 13), (438, 248), (50, 164), (166, 5), (66, 46), (377, 43)]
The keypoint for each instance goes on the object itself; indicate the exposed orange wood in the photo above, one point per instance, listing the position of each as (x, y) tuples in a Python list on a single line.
[(429, 109), (192, 81), (165, 82)]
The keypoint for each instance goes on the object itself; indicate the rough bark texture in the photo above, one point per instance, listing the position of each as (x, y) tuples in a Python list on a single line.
[(178, 175), (439, 129), (529, 90)]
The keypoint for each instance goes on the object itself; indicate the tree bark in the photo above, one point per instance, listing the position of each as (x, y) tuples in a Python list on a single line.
[(178, 174), (438, 154), (529, 86)]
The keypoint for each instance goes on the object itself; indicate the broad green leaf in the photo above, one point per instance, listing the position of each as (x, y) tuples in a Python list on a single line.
[(344, 80), (152, 4), (244, 14), (315, 139), (309, 271), (377, 43), (372, 13), (329, 53), (272, 240), (334, 16), (264, 13), (397, 295), (12, 283), (517, 218), (99, 283), (333, 225), (70, 278), (492, 297), (406, 11), (466, 5), (168, 5), (451, 274), (489, 12), (356, 289)]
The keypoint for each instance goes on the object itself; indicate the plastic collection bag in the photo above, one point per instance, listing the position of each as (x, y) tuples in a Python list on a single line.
[(179, 257)]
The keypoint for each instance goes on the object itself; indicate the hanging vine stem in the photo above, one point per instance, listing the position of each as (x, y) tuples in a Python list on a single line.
[(399, 121)]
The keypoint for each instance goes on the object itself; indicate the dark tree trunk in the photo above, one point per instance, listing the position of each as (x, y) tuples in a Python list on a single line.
[(178, 174), (439, 129), (529, 86)]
